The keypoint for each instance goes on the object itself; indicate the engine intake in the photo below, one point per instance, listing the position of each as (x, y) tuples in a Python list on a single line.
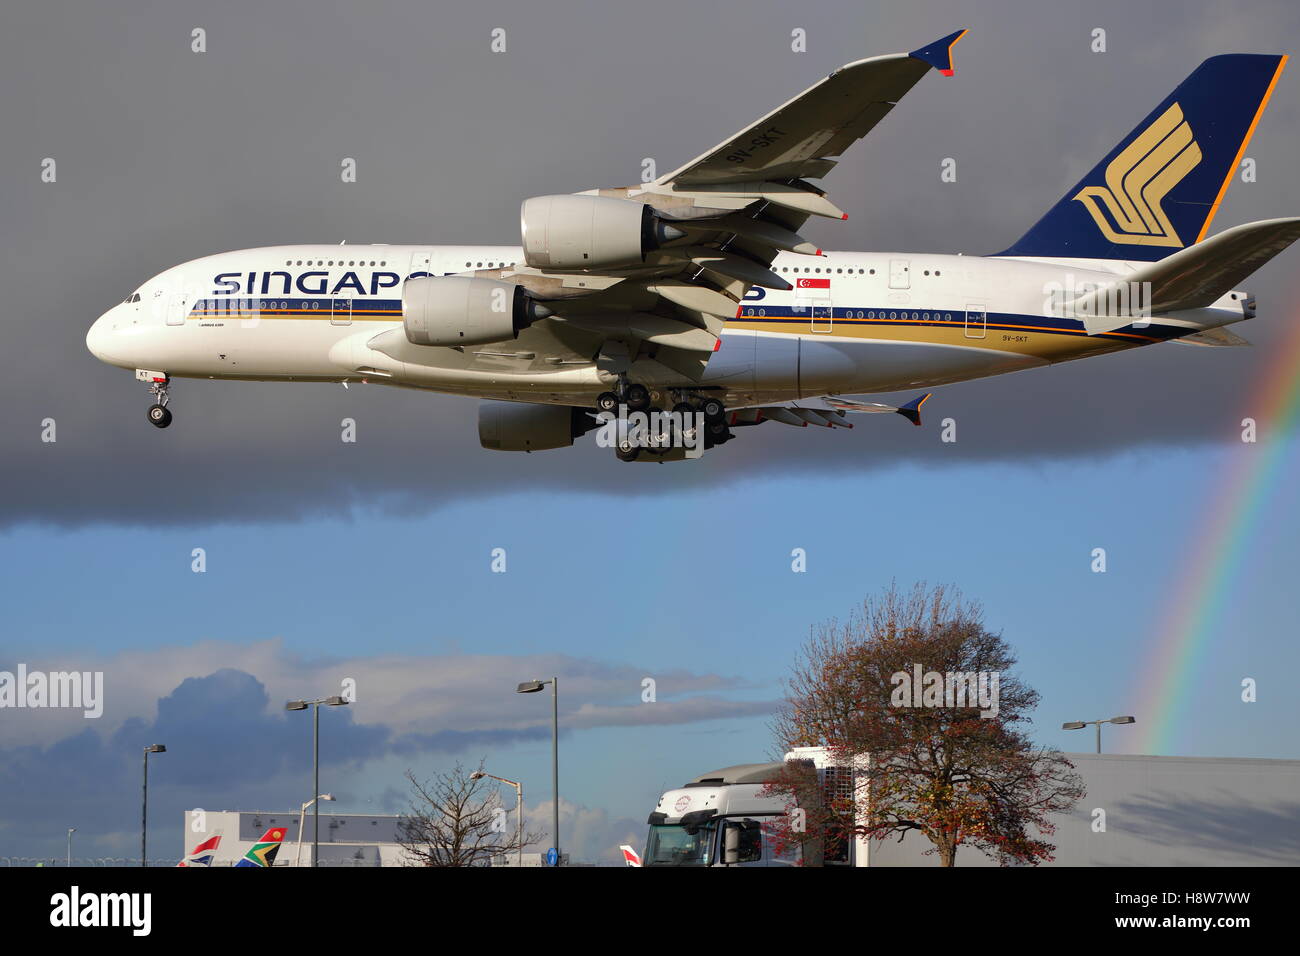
[(518, 426), (461, 310), (590, 232)]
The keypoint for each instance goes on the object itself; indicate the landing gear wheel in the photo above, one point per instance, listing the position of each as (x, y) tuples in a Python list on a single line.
[(713, 409), (159, 416), (716, 434), (627, 452), (607, 402), (684, 409), (637, 398)]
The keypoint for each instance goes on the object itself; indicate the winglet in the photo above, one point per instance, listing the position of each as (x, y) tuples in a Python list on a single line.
[(939, 53), (912, 410)]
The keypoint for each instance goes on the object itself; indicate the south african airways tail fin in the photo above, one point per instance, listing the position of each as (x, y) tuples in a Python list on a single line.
[(262, 853), (1159, 189)]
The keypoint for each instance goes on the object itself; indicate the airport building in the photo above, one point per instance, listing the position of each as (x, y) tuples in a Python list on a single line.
[(346, 839)]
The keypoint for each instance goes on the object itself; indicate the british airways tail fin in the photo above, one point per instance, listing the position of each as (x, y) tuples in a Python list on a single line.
[(1158, 190)]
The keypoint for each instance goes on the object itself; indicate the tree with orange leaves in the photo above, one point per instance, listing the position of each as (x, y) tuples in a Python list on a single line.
[(919, 695)]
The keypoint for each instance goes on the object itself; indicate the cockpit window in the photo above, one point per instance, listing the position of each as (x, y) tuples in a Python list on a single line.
[(133, 297)]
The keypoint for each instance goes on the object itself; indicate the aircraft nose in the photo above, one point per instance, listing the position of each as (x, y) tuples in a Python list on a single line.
[(102, 339)]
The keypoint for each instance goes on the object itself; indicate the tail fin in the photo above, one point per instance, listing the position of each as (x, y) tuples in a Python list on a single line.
[(1158, 190), (202, 854), (262, 853)]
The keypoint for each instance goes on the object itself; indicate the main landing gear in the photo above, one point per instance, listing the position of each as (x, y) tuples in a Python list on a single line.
[(160, 416), (638, 398)]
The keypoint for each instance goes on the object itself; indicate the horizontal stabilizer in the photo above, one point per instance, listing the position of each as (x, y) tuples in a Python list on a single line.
[(911, 411), (1192, 278), (1213, 337)]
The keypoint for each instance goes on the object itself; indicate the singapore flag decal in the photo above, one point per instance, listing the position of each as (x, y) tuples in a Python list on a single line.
[(814, 284)]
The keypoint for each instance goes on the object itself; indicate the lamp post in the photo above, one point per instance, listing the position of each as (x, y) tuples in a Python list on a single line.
[(519, 807), (302, 814), (335, 701), (532, 687), (1080, 724), (144, 802), (71, 830)]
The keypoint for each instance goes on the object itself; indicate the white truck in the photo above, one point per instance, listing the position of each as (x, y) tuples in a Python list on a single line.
[(723, 818)]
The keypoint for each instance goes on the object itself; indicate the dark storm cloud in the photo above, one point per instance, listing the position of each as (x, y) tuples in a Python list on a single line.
[(231, 744), (218, 732), (165, 155)]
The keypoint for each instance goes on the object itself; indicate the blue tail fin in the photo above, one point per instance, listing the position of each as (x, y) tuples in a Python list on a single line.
[(1158, 190)]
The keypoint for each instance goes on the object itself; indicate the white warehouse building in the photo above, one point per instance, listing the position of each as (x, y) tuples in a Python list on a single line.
[(1161, 811)]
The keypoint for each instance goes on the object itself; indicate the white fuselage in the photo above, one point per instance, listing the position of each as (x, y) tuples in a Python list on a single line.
[(855, 323)]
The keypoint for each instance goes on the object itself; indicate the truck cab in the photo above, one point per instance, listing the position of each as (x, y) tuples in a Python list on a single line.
[(718, 819), (724, 818)]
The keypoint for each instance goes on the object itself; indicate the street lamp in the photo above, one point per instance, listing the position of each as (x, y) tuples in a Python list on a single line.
[(335, 701), (519, 806), (302, 814), (1080, 724), (144, 803), (532, 687), (71, 830)]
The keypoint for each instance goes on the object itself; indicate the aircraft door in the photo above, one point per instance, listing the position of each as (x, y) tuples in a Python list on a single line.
[(340, 311), (976, 321), (819, 312), (421, 263), (900, 273), (178, 308)]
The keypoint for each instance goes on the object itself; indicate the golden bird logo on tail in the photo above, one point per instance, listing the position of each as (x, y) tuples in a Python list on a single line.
[(1138, 179)]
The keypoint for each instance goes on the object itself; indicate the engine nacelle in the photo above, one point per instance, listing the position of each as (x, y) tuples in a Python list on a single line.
[(461, 310), (518, 426), (589, 232)]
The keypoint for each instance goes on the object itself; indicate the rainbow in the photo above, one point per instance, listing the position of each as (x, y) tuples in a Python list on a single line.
[(1196, 610)]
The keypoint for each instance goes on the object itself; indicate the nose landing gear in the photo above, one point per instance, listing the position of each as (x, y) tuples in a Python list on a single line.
[(159, 414)]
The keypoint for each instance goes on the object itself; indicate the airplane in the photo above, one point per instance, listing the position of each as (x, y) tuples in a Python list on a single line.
[(262, 853), (693, 301), (202, 854), (630, 856)]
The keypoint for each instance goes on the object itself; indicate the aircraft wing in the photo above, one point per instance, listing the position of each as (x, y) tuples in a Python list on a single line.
[(728, 212), (798, 139)]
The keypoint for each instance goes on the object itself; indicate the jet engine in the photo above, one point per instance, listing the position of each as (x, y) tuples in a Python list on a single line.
[(519, 426), (461, 310), (590, 232)]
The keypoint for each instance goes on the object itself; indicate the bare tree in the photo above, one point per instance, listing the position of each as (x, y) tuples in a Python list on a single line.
[(458, 820), (887, 692)]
